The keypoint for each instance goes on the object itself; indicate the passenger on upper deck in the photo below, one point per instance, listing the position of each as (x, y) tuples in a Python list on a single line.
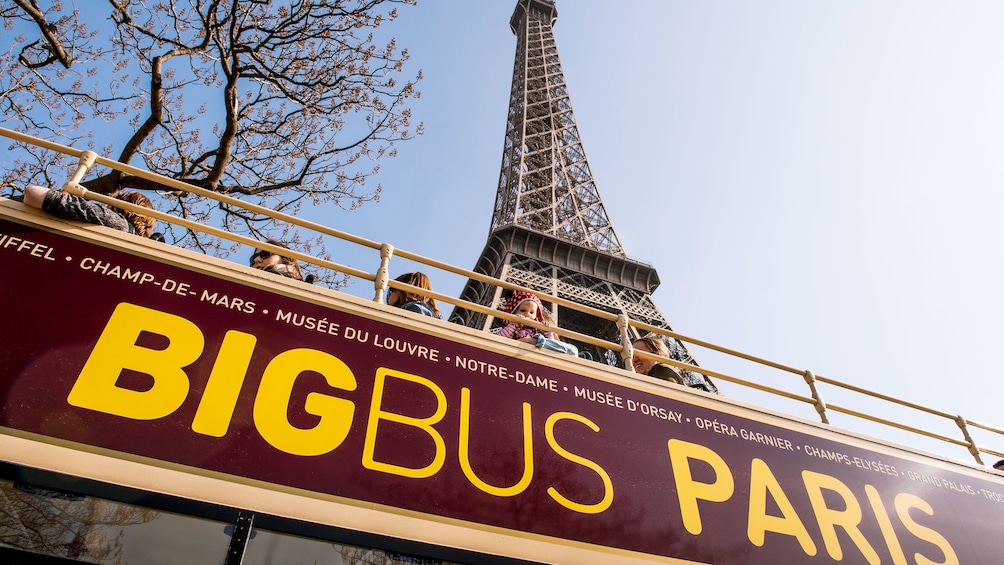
[(999, 465), (274, 263), (527, 305), (411, 301), (71, 207), (654, 344)]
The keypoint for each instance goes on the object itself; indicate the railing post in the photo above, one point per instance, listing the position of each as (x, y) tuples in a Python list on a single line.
[(627, 351), (961, 422), (383, 273), (810, 379), (72, 186)]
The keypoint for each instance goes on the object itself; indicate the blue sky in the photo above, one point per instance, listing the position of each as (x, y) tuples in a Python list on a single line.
[(817, 183)]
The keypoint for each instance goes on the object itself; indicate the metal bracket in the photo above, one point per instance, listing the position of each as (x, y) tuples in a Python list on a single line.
[(961, 422), (820, 404), (72, 186)]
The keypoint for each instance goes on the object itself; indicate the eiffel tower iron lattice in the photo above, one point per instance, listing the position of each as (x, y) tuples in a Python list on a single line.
[(550, 230)]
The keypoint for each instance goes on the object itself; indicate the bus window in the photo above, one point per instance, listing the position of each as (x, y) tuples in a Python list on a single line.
[(94, 530), (267, 547)]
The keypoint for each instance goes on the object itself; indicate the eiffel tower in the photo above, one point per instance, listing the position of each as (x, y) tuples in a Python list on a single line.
[(550, 231)]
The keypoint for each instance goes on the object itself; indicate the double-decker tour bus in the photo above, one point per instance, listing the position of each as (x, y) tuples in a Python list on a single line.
[(162, 406)]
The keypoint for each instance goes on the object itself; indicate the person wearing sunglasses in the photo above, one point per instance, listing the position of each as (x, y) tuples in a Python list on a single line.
[(411, 301), (274, 263)]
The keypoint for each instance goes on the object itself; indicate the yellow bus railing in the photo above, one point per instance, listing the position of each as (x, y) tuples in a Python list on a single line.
[(381, 282)]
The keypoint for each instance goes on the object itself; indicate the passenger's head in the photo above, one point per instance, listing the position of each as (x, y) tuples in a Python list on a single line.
[(266, 260), (526, 305), (397, 297), (650, 343), (527, 309), (999, 465), (142, 224)]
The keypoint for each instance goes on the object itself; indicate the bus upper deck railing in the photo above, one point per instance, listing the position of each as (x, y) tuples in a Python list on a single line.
[(382, 281)]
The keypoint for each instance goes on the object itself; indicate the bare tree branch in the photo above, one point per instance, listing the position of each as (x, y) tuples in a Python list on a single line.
[(53, 43), (282, 104)]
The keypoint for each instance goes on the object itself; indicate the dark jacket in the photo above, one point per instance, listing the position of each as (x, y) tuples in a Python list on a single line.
[(665, 372), (70, 207)]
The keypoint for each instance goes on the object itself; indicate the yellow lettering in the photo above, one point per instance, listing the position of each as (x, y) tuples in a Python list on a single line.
[(690, 491), (829, 518), (465, 447), (608, 486), (903, 503), (116, 350), (424, 424), (272, 403), (224, 387), (762, 481), (885, 525)]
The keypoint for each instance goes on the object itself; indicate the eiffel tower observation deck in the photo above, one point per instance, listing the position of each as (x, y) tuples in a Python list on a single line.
[(550, 230)]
